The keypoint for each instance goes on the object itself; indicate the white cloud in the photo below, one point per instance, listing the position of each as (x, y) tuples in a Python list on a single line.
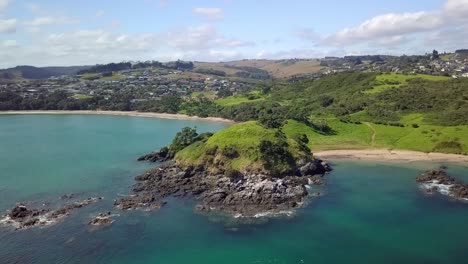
[(457, 9), (104, 46), (4, 4), (416, 31), (8, 26), (10, 43), (209, 13), (203, 37), (387, 26), (48, 21)]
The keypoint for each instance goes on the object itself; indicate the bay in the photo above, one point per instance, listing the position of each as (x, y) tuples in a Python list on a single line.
[(370, 211)]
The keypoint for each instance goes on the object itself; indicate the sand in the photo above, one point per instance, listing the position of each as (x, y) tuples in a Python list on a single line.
[(391, 155), (119, 113)]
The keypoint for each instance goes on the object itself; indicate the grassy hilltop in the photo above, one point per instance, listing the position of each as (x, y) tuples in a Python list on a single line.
[(245, 147)]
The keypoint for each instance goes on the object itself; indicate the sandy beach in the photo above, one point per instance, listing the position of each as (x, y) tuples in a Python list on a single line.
[(391, 155), (119, 113)]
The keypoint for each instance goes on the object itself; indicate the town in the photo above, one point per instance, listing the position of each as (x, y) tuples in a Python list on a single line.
[(141, 82)]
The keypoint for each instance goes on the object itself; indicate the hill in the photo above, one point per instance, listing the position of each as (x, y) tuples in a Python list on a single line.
[(31, 72), (365, 110), (277, 69)]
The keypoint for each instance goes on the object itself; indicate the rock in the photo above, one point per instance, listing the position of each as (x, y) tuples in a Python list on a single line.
[(315, 167), (103, 219), (20, 212), (157, 156), (250, 193), (438, 180), (22, 217)]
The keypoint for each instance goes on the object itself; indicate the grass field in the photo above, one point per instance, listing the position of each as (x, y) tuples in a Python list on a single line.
[(394, 80), (81, 96), (423, 137), (255, 96)]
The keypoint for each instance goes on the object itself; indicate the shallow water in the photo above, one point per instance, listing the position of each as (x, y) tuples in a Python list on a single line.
[(370, 212)]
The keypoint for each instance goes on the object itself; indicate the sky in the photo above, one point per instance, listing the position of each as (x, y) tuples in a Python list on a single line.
[(85, 32)]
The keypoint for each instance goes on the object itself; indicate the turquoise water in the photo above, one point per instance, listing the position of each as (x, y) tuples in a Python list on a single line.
[(370, 213)]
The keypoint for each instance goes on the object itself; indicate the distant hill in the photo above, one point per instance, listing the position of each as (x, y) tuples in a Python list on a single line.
[(275, 68), (31, 72)]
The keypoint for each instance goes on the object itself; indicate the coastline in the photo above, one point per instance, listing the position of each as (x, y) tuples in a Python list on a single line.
[(391, 155), (119, 113)]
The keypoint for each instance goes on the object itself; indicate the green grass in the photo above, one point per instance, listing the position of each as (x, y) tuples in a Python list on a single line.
[(245, 138), (239, 99), (116, 76), (426, 138), (346, 136), (395, 80), (90, 76), (81, 96)]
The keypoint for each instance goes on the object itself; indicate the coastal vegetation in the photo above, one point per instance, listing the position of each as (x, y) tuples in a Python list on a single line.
[(346, 110)]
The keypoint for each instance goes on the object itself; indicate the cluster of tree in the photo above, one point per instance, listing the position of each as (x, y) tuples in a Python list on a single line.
[(179, 65), (111, 67), (462, 51)]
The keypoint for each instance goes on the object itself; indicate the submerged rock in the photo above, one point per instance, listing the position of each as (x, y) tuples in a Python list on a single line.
[(102, 220), (22, 216), (438, 181)]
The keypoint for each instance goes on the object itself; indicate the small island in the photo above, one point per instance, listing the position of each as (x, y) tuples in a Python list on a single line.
[(246, 170)]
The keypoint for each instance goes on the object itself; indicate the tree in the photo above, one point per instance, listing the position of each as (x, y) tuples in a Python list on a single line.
[(435, 55), (183, 139)]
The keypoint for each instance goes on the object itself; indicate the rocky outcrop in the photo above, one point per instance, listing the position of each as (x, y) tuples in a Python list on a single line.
[(161, 155), (439, 181), (22, 216), (245, 193), (102, 220)]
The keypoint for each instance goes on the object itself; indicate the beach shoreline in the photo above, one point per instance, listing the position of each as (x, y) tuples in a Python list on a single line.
[(390, 155), (119, 113)]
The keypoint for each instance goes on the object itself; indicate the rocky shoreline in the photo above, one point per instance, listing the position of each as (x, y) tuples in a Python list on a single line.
[(246, 194), (438, 181), (24, 216)]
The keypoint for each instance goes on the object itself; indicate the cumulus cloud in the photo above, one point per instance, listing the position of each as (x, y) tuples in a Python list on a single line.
[(456, 9), (209, 13), (387, 26), (8, 26), (202, 37), (103, 46), (430, 28)]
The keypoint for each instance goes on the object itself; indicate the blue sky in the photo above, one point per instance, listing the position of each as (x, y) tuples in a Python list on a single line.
[(87, 32)]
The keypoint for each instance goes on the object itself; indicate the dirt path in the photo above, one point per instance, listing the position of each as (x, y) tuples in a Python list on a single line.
[(374, 134)]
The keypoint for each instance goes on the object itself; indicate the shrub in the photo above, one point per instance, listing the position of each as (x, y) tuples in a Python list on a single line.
[(415, 125), (230, 152)]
